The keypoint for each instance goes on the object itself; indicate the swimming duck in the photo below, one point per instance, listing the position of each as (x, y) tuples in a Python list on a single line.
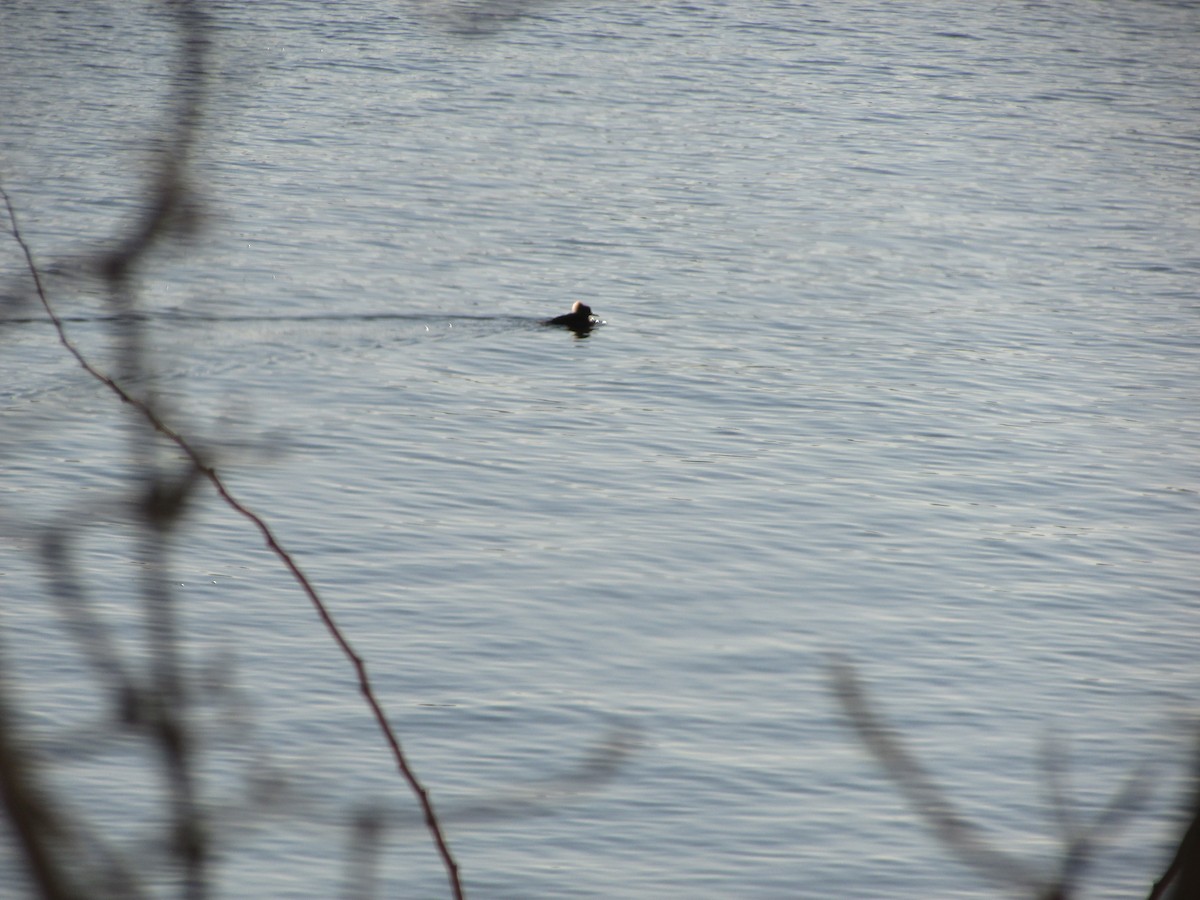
[(579, 319)]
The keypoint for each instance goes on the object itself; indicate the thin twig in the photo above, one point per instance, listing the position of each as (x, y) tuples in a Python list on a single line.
[(210, 473)]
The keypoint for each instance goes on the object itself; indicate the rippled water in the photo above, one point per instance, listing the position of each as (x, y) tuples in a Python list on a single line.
[(899, 363)]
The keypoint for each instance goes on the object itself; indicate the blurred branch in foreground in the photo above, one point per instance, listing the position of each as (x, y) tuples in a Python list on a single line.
[(1181, 880), (168, 210), (151, 702), (478, 18), (965, 839)]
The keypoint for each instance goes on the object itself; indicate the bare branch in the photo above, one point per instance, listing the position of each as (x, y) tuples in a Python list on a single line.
[(168, 200), (1181, 880), (927, 799)]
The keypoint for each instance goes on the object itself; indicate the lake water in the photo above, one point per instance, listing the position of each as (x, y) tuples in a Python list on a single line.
[(899, 363)]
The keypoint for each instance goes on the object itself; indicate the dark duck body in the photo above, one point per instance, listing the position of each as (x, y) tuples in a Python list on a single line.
[(579, 319)]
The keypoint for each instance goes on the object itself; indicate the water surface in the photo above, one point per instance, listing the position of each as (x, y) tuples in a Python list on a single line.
[(899, 363)]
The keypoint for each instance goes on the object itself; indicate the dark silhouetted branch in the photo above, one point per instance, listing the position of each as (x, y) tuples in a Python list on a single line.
[(1181, 880), (168, 199), (962, 837), (927, 799)]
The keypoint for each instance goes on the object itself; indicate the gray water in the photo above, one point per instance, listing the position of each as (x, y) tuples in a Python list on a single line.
[(899, 366)]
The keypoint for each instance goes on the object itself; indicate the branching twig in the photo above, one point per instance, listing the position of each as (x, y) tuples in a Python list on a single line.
[(202, 466), (963, 837), (927, 799)]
